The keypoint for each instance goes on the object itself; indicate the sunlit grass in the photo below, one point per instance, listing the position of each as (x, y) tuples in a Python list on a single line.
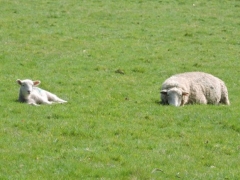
[(108, 60)]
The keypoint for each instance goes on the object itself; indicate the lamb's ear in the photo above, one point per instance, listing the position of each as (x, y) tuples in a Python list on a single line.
[(184, 93), (36, 83), (164, 91), (19, 82)]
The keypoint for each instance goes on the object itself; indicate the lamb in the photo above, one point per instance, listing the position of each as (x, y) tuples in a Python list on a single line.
[(33, 95), (194, 88)]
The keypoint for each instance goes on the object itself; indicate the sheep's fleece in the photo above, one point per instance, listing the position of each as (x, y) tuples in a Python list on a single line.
[(194, 87), (33, 95)]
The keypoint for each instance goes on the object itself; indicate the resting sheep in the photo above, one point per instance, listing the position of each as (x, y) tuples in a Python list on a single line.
[(33, 95), (194, 87)]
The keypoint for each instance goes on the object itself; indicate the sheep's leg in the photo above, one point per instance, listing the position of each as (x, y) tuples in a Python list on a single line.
[(224, 96), (225, 100)]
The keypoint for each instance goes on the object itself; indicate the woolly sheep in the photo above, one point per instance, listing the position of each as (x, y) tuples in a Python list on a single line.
[(33, 95), (194, 87)]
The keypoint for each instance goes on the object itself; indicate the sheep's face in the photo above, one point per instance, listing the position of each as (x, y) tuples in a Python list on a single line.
[(27, 86), (173, 96)]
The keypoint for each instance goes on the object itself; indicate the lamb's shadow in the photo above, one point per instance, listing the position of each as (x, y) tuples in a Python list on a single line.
[(158, 102)]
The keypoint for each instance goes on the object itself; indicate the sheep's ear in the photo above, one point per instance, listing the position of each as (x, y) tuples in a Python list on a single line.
[(184, 93), (36, 83), (164, 91), (19, 82)]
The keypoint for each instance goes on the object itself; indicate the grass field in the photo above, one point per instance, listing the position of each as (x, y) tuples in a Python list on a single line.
[(108, 59)]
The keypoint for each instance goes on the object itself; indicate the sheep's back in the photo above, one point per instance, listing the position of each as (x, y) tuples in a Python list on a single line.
[(203, 84)]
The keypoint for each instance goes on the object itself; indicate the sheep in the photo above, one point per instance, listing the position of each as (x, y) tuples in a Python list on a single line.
[(33, 95), (194, 88)]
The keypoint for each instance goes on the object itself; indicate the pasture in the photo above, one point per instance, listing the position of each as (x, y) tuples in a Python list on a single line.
[(108, 59)]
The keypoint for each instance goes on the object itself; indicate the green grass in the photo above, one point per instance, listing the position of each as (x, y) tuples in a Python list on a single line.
[(108, 59)]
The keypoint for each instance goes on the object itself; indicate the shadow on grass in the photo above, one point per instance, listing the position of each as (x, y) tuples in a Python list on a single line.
[(158, 102)]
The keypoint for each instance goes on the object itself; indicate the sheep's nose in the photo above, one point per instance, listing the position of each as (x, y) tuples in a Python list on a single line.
[(28, 92)]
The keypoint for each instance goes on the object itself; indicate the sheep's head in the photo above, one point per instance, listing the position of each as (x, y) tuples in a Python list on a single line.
[(27, 86), (173, 96)]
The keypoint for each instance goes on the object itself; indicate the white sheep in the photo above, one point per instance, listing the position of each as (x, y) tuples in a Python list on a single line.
[(33, 95), (194, 87)]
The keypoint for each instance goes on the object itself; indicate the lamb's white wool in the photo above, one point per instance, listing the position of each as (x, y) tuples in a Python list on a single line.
[(33, 95), (194, 87)]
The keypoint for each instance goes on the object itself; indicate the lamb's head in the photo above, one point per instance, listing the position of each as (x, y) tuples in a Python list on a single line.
[(27, 86), (174, 96)]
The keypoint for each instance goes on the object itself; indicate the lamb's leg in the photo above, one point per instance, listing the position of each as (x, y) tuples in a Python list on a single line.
[(59, 100), (54, 98), (46, 102), (32, 102), (39, 98)]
